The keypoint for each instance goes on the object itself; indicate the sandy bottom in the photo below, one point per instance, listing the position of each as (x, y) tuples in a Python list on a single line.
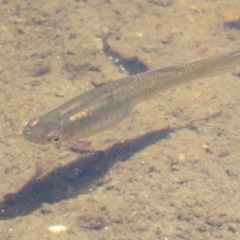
[(169, 171)]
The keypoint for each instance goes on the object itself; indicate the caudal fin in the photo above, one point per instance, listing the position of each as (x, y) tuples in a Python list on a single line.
[(222, 63)]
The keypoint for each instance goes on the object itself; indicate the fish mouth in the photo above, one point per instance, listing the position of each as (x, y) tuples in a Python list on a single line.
[(31, 136), (41, 132)]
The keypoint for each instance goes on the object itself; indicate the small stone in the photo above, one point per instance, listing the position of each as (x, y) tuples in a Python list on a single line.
[(139, 34), (39, 68), (134, 213), (195, 9), (181, 158), (207, 149), (163, 3), (231, 21), (98, 43), (106, 31), (58, 229), (61, 93), (20, 20), (167, 39)]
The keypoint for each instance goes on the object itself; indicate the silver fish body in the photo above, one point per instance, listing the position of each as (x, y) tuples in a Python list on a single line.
[(105, 106)]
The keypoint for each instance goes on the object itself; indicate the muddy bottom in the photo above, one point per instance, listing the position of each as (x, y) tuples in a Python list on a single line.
[(169, 171)]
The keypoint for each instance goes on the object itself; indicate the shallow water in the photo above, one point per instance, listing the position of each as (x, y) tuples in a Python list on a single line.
[(169, 171)]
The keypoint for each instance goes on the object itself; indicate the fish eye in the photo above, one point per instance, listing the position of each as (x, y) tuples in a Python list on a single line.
[(54, 138)]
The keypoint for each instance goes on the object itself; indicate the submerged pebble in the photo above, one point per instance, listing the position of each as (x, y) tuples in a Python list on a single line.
[(57, 229), (163, 3)]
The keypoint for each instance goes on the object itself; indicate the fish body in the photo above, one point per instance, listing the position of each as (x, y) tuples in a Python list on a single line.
[(105, 106)]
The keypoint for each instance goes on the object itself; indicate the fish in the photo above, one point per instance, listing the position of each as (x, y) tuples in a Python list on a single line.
[(103, 107)]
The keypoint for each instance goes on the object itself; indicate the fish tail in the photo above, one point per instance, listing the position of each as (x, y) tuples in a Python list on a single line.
[(221, 64)]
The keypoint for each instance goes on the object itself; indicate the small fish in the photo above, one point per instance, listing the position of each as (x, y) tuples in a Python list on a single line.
[(107, 105)]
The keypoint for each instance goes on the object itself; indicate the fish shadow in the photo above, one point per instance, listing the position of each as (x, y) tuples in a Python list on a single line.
[(78, 177)]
